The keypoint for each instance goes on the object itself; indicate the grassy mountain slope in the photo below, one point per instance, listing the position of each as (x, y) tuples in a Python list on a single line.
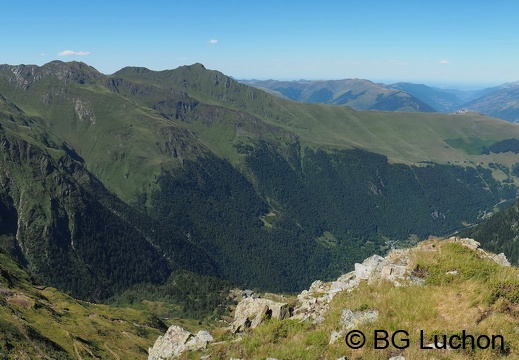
[(39, 322), (111, 133), (402, 137), (232, 181), (357, 93)]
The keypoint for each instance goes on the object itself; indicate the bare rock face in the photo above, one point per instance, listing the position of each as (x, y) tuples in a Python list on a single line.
[(176, 341), (370, 266), (470, 243), (251, 312)]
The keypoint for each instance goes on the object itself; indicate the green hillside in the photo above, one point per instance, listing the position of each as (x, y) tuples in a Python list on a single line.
[(70, 231), (189, 169), (39, 322)]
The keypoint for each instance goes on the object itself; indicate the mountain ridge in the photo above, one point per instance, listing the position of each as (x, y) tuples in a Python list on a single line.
[(229, 172), (358, 93)]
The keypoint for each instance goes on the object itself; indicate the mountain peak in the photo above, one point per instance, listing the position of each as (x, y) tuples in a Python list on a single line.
[(196, 66), (26, 75)]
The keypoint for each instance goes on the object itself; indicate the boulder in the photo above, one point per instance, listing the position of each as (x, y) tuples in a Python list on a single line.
[(501, 259), (371, 265), (394, 273), (345, 282), (470, 243), (251, 312), (177, 340)]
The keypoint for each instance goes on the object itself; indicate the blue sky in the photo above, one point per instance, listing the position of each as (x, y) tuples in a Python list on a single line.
[(434, 42)]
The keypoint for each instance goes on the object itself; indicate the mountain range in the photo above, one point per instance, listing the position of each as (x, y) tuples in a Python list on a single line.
[(358, 93), (164, 189), (115, 180), (500, 101)]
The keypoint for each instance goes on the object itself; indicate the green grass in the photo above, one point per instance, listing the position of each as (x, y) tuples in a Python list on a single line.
[(327, 239), (471, 146), (39, 322)]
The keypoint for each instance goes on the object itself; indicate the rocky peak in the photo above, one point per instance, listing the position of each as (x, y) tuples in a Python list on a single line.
[(24, 76)]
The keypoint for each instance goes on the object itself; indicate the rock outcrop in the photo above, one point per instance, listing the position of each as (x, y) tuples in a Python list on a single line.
[(314, 302), (251, 312), (176, 341), (474, 245)]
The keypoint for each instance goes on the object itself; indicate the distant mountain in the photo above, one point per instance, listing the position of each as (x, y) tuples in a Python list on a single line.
[(441, 100), (501, 102), (357, 93)]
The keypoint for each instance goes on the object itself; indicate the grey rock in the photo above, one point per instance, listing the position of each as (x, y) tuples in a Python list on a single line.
[(335, 336), (251, 312), (397, 274), (372, 264), (470, 243), (353, 319), (177, 340), (247, 293), (501, 259), (205, 336)]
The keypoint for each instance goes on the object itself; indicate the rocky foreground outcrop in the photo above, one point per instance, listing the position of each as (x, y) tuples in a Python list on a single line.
[(176, 341), (251, 312), (313, 304)]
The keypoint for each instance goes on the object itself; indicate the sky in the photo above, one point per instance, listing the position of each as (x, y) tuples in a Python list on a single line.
[(442, 43)]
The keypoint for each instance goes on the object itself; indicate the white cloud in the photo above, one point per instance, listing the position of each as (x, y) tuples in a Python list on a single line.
[(213, 41), (443, 61), (73, 53)]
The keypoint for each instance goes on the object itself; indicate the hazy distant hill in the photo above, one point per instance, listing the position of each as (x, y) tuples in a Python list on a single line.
[(357, 93), (502, 102), (441, 100)]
